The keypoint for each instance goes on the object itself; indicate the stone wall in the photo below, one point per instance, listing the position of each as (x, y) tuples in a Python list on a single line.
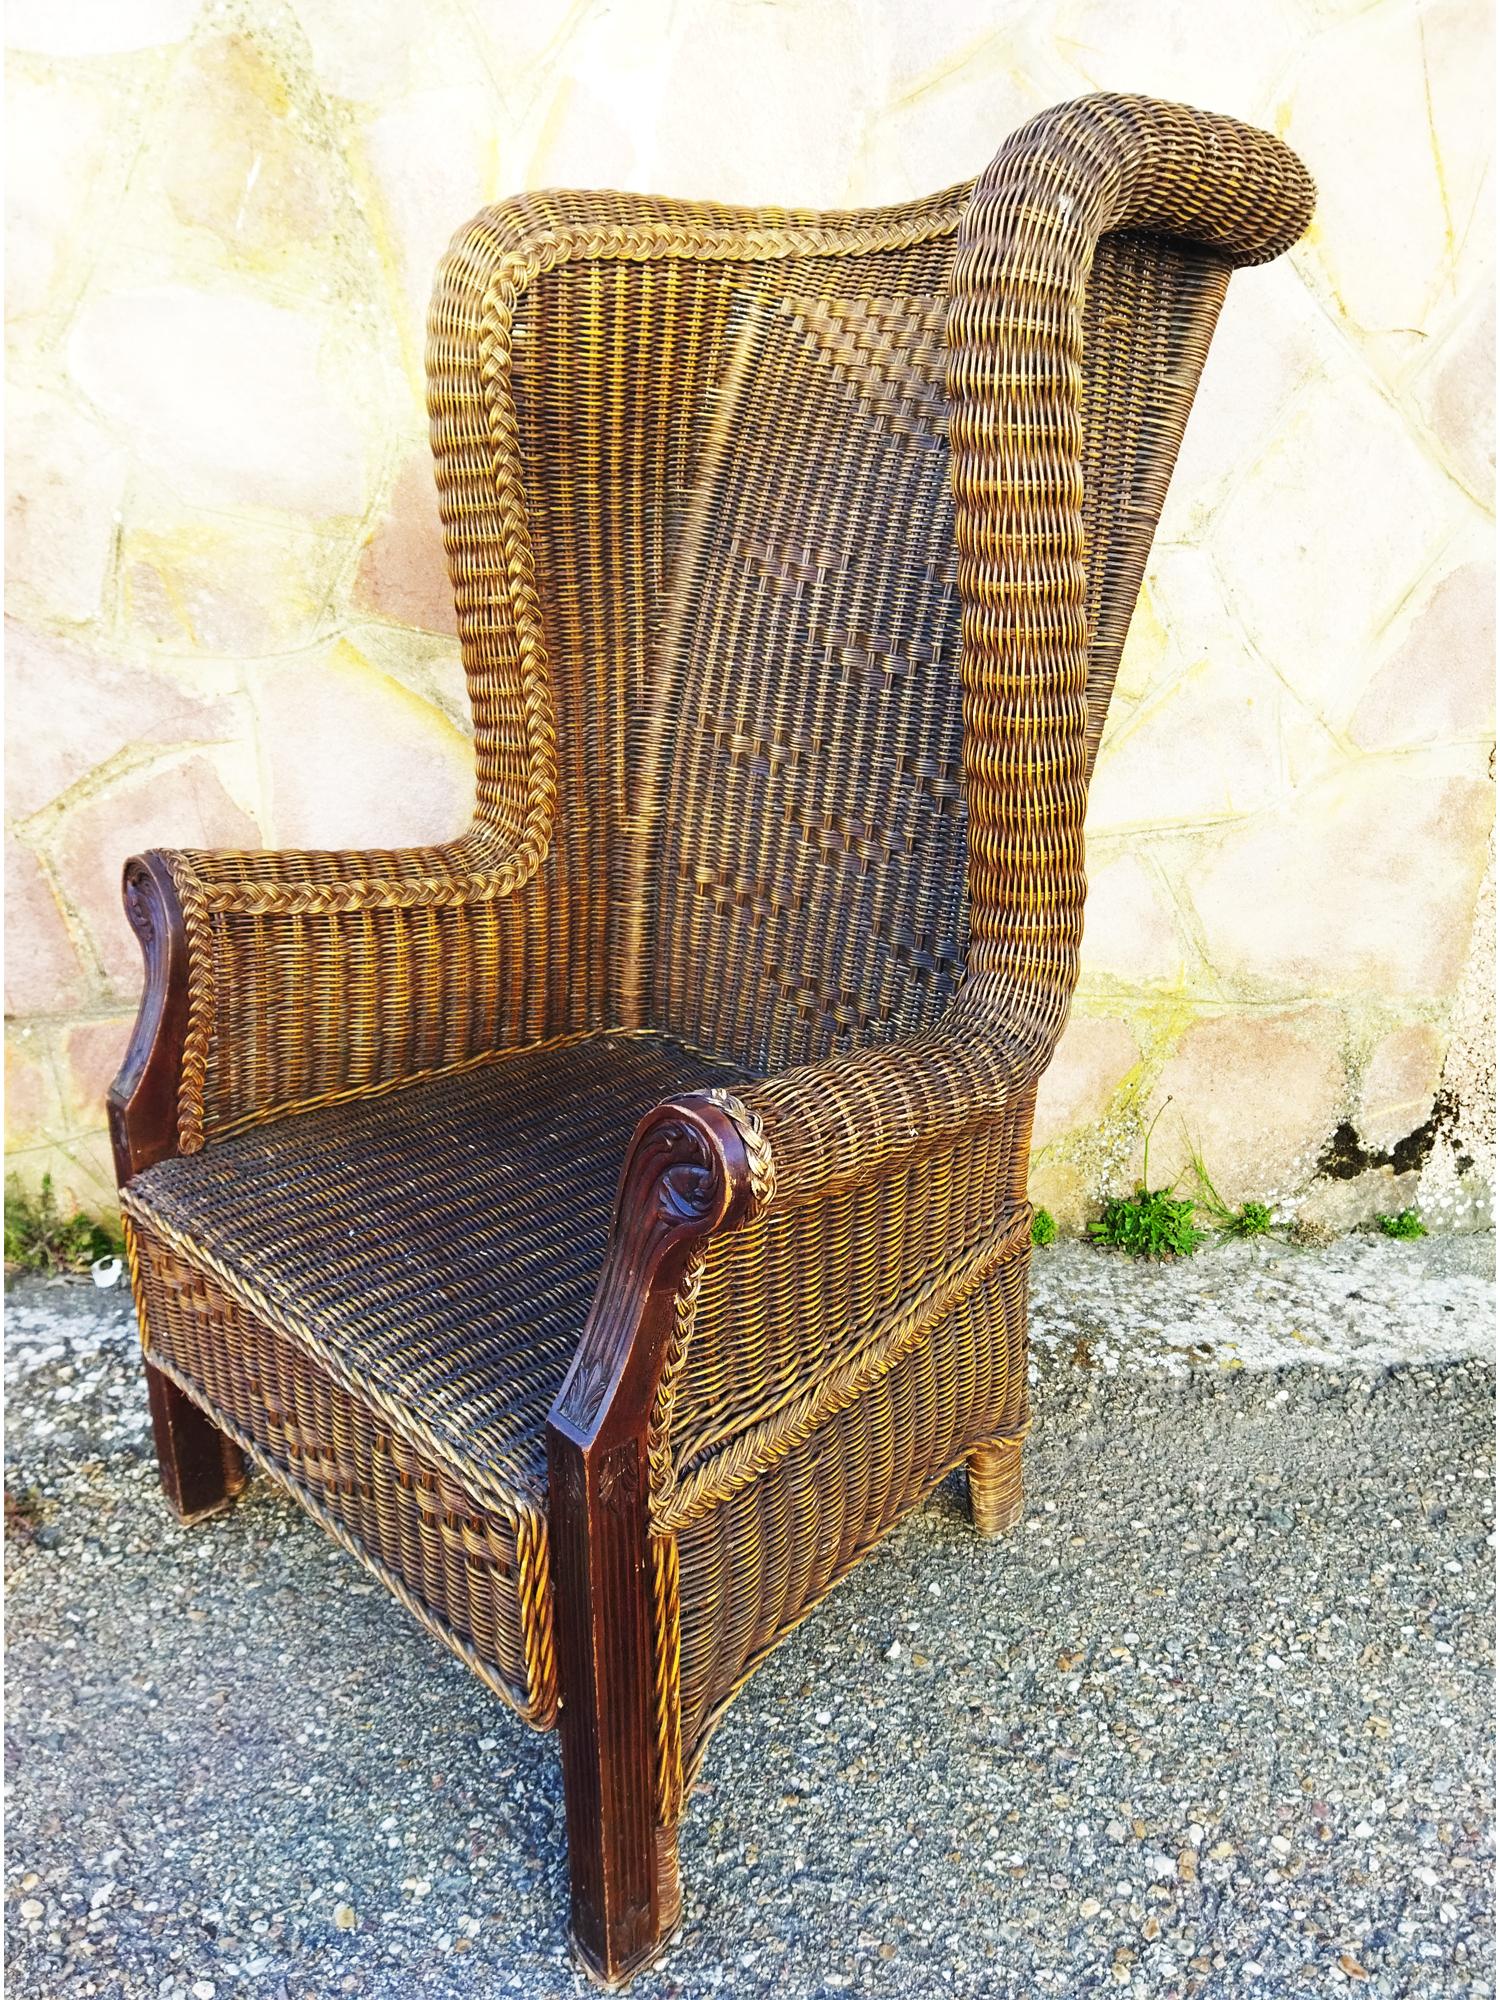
[(230, 622)]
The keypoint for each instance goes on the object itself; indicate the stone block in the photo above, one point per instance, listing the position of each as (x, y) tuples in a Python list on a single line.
[(1365, 882), (33, 1110), (1094, 1057), (1399, 1084), (1256, 1094), (1387, 112), (92, 1052), (246, 155), (196, 583), (1438, 684), (97, 27), (65, 489), (1229, 58), (1206, 748), (1130, 930), (1273, 338), (431, 164), (227, 399), (175, 803), (72, 711), (360, 52), (403, 572), (43, 973), (958, 89), (1455, 395), (354, 759), (1315, 584), (803, 61), (67, 152)]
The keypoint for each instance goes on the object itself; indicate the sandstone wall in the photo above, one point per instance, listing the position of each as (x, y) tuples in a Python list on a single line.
[(230, 624)]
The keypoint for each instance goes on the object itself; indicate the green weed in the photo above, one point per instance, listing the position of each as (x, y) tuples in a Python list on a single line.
[(39, 1237), (1152, 1222), (1251, 1218)]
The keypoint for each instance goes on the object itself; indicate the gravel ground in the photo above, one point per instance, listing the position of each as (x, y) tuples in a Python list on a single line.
[(1217, 1719)]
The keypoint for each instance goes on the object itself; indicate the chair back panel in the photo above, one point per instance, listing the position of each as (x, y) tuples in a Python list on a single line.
[(740, 508), (810, 860)]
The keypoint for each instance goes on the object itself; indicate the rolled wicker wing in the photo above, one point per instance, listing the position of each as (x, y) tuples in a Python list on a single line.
[(1036, 678)]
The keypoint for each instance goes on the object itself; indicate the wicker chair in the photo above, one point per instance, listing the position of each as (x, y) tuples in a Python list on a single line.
[(610, 1224)]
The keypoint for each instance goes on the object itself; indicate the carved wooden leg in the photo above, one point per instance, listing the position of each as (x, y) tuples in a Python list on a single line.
[(996, 1501), (686, 1174), (623, 1867), (201, 1470)]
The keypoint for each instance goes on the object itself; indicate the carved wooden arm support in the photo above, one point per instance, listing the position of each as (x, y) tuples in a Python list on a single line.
[(689, 1174), (143, 1097)]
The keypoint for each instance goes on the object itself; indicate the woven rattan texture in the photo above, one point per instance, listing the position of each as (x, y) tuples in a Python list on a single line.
[(793, 557), (810, 875), (475, 1573), (434, 1248), (753, 1566)]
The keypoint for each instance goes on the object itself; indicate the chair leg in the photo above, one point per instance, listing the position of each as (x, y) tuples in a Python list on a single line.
[(201, 1470), (623, 1864), (996, 1501)]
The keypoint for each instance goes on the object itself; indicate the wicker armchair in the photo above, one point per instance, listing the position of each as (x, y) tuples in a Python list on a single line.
[(793, 555)]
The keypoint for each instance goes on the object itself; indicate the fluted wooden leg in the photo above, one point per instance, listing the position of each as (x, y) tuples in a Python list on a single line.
[(201, 1470), (623, 1864), (996, 1501)]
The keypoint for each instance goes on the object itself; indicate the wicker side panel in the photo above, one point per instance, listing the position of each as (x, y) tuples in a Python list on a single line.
[(476, 1577), (802, 1292), (753, 1566)]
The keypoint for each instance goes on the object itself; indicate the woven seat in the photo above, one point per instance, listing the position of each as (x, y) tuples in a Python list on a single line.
[(409, 1274), (610, 1223)]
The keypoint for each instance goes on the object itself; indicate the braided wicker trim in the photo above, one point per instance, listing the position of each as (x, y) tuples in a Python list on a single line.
[(192, 1082), (540, 1707), (137, 1283), (718, 1478), (666, 1624), (757, 1146)]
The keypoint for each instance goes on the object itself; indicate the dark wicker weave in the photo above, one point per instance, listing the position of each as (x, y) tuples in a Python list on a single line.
[(793, 554)]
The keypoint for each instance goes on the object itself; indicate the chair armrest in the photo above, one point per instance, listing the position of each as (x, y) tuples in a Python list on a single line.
[(852, 1119), (279, 980)]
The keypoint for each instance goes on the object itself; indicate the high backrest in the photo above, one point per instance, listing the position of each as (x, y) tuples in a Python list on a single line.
[(808, 867), (748, 638), (585, 357)]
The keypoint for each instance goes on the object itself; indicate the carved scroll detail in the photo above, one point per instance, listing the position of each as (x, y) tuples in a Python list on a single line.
[(686, 1170), (143, 1097)]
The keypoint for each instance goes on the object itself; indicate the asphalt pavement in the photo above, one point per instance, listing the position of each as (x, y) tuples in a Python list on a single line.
[(1218, 1718)]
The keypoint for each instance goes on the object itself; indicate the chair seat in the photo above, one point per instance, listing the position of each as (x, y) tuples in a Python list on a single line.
[(379, 1300)]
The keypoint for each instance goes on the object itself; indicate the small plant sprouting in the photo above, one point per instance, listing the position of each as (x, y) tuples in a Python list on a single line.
[(1407, 1225), (1152, 1222), (1043, 1227), (39, 1237), (1251, 1218)]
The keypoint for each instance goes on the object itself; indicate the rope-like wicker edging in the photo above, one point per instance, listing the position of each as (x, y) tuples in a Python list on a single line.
[(718, 1478)]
